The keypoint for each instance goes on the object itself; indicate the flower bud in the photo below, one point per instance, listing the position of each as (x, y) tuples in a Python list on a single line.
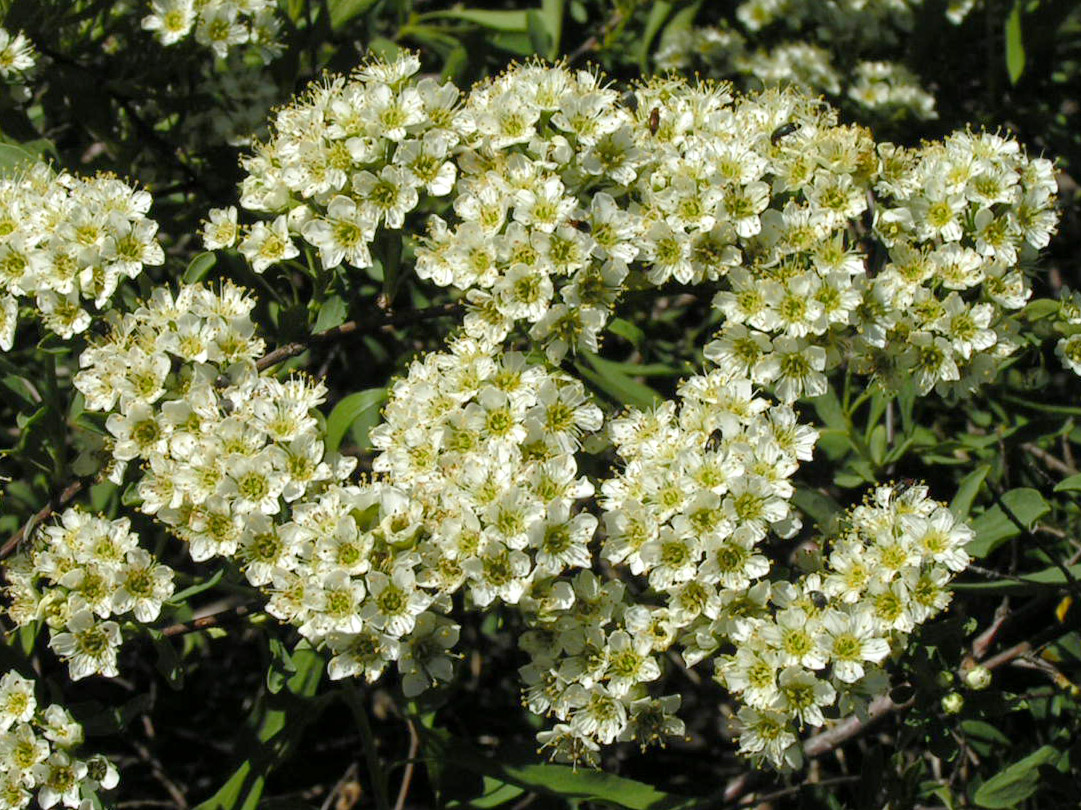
[(953, 703), (978, 678)]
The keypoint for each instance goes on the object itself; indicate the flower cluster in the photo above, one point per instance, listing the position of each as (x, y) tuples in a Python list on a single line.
[(889, 89), (806, 650), (17, 57), (828, 248), (880, 89), (218, 24), (66, 241), (78, 576), (347, 160), (478, 453), (37, 753), (934, 299), (1068, 323)]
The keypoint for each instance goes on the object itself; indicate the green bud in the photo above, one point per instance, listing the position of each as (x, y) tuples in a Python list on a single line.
[(953, 703)]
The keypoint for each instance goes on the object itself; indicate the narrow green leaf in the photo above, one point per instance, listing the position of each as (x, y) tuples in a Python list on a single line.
[(199, 267), (539, 35), (508, 21), (348, 410), (342, 11), (553, 11), (197, 588), (1017, 782), (1015, 44), (1050, 577), (961, 504), (563, 781), (830, 411), (1040, 308), (658, 16), (168, 661), (609, 377), (627, 330)]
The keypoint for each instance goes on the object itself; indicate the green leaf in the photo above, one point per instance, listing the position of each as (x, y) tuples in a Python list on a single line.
[(1015, 44), (961, 504), (494, 793), (14, 155), (507, 21), (582, 784), (658, 16), (199, 267), (342, 11), (627, 330), (983, 736), (274, 728), (609, 377), (168, 661), (1050, 577), (348, 410), (1071, 484), (680, 21), (994, 527), (197, 588), (822, 508), (1040, 308), (1017, 782), (332, 312), (545, 26), (831, 412)]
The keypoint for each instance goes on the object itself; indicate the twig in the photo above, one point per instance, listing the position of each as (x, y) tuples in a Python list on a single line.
[(1050, 460), (1016, 651), (984, 640), (788, 791), (159, 774), (848, 728), (377, 321), (203, 622), (594, 41), (69, 492), (349, 776), (407, 774), (1075, 586)]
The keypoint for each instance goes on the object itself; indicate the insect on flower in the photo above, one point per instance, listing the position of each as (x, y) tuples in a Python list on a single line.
[(782, 131), (654, 120)]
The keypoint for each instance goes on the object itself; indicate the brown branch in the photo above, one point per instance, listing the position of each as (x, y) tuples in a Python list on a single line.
[(594, 42), (848, 728), (407, 774), (203, 622), (378, 320), (1050, 460), (69, 492)]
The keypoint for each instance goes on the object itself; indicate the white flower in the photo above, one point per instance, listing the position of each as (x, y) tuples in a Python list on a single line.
[(221, 230), (88, 646), (17, 702), (265, 245)]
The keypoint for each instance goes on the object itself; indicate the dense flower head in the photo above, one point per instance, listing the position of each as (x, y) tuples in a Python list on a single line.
[(37, 753), (66, 242), (555, 194), (78, 575), (220, 25), (813, 649)]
